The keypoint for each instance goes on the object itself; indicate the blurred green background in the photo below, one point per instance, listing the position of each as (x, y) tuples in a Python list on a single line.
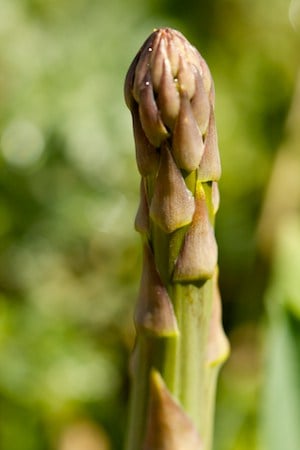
[(69, 258)]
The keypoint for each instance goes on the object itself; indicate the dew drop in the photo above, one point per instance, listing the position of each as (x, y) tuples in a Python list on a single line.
[(150, 49)]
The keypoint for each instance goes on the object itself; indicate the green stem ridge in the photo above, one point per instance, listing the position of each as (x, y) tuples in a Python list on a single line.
[(180, 342)]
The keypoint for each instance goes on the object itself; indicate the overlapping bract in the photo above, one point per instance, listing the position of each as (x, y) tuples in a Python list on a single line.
[(170, 93)]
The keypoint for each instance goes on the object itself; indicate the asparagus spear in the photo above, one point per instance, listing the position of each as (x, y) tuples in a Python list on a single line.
[(180, 343)]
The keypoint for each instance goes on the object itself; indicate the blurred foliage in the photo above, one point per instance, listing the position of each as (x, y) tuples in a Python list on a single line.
[(279, 230), (281, 399), (70, 260)]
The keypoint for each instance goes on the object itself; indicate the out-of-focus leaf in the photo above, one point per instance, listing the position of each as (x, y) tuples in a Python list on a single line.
[(287, 266), (281, 397)]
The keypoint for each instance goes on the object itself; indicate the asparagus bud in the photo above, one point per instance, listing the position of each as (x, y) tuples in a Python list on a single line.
[(180, 343)]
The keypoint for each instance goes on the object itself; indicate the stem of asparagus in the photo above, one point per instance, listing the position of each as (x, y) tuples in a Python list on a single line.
[(180, 342)]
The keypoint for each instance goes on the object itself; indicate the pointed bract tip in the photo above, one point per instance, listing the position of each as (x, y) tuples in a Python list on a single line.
[(172, 205), (198, 256), (168, 426), (154, 310), (218, 347)]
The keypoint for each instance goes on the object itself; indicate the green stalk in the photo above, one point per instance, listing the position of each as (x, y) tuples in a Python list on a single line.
[(180, 342)]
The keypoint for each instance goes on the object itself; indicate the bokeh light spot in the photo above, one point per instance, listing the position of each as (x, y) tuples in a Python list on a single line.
[(22, 143)]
